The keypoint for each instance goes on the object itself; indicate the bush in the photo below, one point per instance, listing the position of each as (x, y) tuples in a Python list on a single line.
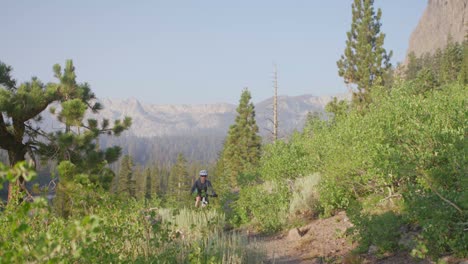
[(406, 145), (304, 199), (285, 160), (264, 206), (381, 230), (116, 230)]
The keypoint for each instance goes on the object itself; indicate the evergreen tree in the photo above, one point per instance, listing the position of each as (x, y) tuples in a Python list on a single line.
[(413, 67), (365, 60), (126, 177), (149, 184), (242, 146), (452, 61), (179, 182), (20, 131), (339, 108), (463, 76), (159, 180), (445, 66), (63, 192), (139, 176)]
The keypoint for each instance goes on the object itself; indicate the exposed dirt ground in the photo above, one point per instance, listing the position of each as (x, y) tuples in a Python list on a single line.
[(323, 241)]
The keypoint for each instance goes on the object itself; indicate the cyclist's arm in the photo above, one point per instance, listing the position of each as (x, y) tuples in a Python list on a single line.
[(210, 189), (194, 187)]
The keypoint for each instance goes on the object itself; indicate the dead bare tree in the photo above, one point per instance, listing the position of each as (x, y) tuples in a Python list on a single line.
[(274, 121), (275, 105)]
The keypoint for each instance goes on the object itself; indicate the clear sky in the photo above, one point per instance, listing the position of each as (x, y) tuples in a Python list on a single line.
[(195, 52)]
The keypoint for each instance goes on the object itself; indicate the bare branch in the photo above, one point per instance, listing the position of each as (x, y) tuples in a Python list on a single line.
[(438, 194)]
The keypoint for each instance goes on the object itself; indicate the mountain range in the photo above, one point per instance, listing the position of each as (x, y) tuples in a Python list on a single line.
[(150, 120)]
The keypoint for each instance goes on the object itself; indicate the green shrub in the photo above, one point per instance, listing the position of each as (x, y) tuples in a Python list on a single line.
[(116, 230), (285, 160), (264, 206), (379, 230), (407, 146), (304, 199)]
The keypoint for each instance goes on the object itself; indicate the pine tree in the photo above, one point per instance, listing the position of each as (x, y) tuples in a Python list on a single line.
[(242, 146), (413, 67), (365, 60), (463, 76), (139, 175), (20, 131), (451, 61), (159, 180), (126, 177), (149, 184), (63, 202), (444, 66), (179, 182)]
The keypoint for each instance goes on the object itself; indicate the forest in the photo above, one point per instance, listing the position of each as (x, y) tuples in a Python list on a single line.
[(393, 158)]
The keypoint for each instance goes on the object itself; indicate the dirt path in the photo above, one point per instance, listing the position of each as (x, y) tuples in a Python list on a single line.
[(322, 241)]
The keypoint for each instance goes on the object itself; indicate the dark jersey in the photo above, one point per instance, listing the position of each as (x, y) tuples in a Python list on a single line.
[(202, 188)]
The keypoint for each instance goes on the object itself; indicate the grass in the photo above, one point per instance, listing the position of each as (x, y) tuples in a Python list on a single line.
[(203, 239)]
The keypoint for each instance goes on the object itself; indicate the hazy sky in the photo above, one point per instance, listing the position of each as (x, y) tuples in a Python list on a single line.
[(196, 52)]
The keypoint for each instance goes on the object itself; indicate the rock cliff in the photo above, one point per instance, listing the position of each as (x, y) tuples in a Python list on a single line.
[(440, 19)]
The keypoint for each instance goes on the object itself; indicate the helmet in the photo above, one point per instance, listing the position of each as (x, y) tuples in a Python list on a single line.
[(203, 173)]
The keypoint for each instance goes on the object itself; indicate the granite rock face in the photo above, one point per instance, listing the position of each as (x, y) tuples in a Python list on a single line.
[(440, 19)]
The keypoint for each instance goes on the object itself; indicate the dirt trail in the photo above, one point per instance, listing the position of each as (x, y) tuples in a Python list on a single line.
[(321, 241)]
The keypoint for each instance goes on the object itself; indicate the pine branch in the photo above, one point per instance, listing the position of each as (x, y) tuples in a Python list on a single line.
[(34, 131), (99, 131), (35, 111)]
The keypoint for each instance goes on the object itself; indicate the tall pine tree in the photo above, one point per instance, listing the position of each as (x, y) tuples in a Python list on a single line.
[(148, 185), (242, 146), (365, 60), (179, 183), (140, 181), (126, 183)]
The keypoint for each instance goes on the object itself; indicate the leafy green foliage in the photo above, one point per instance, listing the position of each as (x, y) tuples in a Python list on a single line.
[(379, 230), (264, 201), (113, 230), (21, 169), (339, 109), (282, 161), (407, 145), (265, 206)]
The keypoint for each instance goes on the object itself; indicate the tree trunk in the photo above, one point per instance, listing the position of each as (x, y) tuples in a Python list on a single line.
[(15, 156), (275, 107)]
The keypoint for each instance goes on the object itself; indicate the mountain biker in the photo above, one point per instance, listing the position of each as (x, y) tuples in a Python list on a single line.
[(202, 188)]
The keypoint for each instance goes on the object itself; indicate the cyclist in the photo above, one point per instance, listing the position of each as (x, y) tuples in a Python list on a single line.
[(202, 188)]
